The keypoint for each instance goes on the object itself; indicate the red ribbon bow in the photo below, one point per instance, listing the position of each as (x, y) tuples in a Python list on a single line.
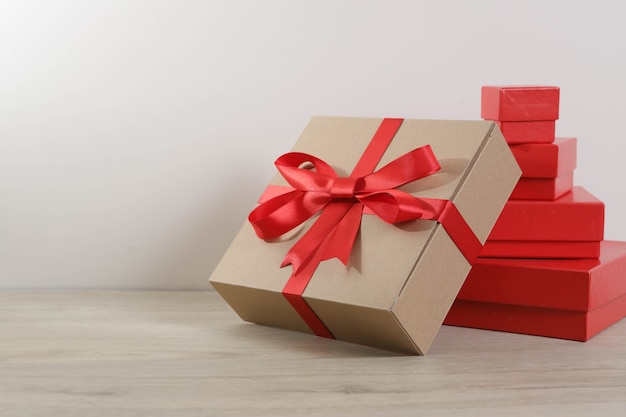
[(316, 188), (342, 201)]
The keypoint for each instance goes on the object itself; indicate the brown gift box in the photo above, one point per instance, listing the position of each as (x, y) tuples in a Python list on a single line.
[(401, 279)]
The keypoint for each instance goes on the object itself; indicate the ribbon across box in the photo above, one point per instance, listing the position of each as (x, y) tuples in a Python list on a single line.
[(571, 226), (563, 298), (404, 207)]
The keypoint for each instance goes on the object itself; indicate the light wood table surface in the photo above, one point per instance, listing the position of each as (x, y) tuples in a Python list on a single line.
[(185, 353)]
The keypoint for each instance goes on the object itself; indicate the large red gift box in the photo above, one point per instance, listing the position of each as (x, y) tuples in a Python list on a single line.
[(569, 299), (520, 103)]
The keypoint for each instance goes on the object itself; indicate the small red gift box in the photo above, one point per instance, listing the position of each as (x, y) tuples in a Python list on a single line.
[(540, 131), (569, 299), (546, 160), (543, 188), (520, 103)]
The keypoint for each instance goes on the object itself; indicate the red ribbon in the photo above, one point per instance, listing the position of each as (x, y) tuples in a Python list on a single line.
[(342, 201)]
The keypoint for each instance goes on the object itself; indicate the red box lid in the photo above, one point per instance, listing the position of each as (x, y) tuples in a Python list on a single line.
[(540, 249), (520, 103), (567, 284), (562, 324), (577, 216)]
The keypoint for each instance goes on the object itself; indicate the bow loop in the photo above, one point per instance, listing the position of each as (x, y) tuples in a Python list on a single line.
[(305, 172), (411, 166)]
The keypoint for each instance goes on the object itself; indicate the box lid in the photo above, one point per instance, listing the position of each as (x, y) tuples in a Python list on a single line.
[(542, 249), (520, 103), (566, 284), (576, 216)]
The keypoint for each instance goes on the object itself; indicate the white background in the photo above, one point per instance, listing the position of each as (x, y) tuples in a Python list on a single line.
[(135, 136)]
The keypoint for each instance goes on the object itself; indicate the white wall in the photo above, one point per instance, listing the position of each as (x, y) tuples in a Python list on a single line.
[(136, 135)]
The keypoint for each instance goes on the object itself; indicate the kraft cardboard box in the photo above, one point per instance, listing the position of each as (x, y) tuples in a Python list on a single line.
[(570, 299), (399, 280)]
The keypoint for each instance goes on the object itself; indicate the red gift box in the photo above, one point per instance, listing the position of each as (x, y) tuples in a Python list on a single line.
[(540, 131), (546, 160), (576, 216), (543, 188), (571, 226), (540, 249), (520, 103), (570, 299), (561, 324)]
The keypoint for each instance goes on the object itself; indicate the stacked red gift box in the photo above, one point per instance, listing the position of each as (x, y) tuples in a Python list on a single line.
[(545, 269)]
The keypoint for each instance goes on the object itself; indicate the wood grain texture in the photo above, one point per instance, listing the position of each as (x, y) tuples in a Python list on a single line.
[(169, 353)]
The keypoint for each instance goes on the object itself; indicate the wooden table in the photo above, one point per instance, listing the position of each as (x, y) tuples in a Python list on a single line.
[(169, 353)]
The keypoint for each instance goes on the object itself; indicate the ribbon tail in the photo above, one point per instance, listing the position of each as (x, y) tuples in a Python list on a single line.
[(331, 236), (341, 240)]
